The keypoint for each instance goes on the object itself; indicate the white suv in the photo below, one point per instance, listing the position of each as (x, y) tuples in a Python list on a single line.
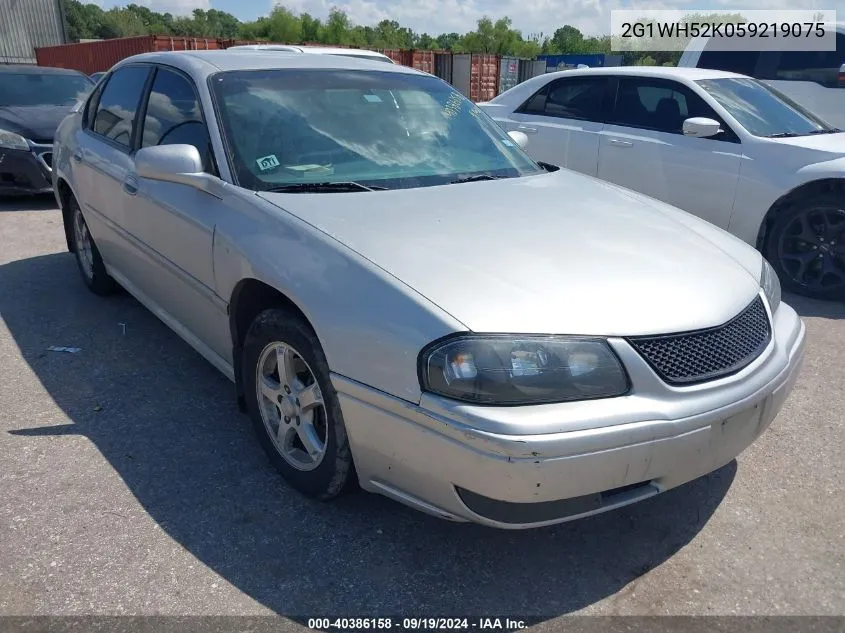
[(814, 79)]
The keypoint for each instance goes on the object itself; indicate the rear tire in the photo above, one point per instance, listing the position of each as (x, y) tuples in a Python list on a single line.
[(88, 258), (294, 408), (806, 247)]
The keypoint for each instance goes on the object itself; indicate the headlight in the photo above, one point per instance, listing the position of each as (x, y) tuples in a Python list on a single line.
[(771, 285), (10, 140), (515, 369)]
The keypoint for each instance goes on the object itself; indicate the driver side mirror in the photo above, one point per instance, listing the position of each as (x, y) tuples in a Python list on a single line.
[(520, 138), (701, 127), (176, 163)]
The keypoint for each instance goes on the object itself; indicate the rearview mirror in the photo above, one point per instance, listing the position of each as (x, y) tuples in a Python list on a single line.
[(701, 127), (175, 163), (520, 138)]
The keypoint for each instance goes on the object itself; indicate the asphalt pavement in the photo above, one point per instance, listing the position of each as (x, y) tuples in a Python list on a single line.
[(130, 484)]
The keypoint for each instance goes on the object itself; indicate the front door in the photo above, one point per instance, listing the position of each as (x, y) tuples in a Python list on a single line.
[(174, 223), (643, 148)]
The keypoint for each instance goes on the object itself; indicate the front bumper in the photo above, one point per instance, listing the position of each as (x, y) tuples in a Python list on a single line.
[(26, 172), (490, 465)]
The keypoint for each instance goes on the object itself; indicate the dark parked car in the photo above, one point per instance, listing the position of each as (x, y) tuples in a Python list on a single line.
[(33, 101)]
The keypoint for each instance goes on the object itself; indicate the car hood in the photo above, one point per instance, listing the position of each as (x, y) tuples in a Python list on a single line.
[(37, 123), (552, 253)]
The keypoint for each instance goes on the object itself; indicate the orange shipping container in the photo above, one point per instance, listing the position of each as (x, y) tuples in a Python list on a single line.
[(420, 59), (92, 57), (476, 75)]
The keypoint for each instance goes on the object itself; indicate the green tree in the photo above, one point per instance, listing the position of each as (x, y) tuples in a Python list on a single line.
[(283, 26), (337, 28), (311, 28)]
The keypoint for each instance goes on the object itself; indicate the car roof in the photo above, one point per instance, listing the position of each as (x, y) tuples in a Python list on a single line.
[(32, 69), (325, 50), (204, 63), (667, 72)]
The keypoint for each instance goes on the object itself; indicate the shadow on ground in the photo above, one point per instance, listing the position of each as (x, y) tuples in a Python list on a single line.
[(44, 202), (815, 308), (167, 422)]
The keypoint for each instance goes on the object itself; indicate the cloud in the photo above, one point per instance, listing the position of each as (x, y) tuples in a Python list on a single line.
[(176, 7), (531, 17)]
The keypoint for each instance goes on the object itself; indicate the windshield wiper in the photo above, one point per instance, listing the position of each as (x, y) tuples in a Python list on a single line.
[(475, 178), (833, 130), (783, 135), (323, 187)]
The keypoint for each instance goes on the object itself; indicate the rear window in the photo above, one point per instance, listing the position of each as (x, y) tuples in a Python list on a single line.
[(742, 62), (33, 89), (821, 67)]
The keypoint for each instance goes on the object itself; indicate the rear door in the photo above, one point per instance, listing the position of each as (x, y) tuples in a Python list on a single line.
[(563, 120), (643, 148), (102, 161)]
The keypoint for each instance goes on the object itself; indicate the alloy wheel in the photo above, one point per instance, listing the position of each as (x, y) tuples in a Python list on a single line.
[(82, 240), (291, 406), (811, 249)]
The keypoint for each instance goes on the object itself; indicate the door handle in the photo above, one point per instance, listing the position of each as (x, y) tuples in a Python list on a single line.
[(77, 156), (526, 129), (130, 186), (621, 143)]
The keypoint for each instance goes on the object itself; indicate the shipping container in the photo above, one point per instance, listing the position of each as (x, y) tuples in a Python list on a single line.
[(443, 66), (420, 59), (564, 62), (529, 68), (508, 73), (476, 75), (393, 53), (27, 24), (92, 57)]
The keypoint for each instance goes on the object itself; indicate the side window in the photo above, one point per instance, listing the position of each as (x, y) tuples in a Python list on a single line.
[(660, 105), (575, 98), (174, 116), (118, 104), (91, 107), (742, 62), (821, 67)]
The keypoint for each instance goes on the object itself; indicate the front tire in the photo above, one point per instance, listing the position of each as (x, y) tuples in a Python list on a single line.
[(294, 407), (88, 258), (806, 247)]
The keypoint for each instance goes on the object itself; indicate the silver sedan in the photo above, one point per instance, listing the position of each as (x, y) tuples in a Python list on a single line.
[(405, 301)]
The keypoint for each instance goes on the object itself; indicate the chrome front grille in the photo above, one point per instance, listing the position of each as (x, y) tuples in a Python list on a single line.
[(702, 355)]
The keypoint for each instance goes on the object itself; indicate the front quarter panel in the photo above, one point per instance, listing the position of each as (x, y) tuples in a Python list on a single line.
[(371, 326), (764, 181)]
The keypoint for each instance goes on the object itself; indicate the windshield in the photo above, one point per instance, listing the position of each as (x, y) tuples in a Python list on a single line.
[(762, 110), (381, 129), (34, 89)]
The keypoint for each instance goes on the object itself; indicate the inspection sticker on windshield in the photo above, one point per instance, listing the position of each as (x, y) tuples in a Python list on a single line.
[(373, 98), (267, 162)]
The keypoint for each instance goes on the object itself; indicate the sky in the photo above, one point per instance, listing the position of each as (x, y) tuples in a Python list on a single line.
[(444, 16)]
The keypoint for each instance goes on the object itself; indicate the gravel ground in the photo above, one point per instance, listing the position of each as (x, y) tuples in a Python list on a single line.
[(131, 485)]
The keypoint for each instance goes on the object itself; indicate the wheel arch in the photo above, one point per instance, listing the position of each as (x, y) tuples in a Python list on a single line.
[(249, 298), (65, 193), (819, 186)]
